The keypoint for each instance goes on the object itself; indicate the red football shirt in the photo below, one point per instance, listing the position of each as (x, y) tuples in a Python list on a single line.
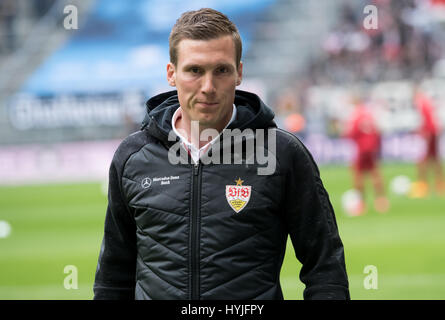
[(362, 129), (429, 125)]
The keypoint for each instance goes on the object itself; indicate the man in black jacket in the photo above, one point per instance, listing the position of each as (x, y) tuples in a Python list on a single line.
[(203, 198)]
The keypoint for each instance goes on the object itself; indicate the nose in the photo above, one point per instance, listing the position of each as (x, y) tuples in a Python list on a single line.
[(208, 84)]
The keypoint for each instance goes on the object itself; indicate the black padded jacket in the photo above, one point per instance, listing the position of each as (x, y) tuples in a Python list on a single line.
[(172, 232)]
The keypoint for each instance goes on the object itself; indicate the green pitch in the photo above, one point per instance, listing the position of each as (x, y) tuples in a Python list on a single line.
[(56, 226)]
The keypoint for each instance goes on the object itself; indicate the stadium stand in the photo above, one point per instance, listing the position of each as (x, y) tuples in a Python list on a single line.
[(33, 32)]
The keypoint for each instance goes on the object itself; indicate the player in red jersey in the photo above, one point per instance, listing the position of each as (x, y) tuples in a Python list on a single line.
[(363, 130), (430, 132)]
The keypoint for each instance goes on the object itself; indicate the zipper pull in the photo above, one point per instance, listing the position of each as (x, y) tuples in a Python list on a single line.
[(196, 168)]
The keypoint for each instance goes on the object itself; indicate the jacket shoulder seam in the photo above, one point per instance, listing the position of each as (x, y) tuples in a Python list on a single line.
[(302, 148)]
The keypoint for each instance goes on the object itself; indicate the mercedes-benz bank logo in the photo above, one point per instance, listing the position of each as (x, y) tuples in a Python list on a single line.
[(146, 183)]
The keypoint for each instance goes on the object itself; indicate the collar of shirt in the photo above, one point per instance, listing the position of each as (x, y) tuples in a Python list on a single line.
[(194, 152)]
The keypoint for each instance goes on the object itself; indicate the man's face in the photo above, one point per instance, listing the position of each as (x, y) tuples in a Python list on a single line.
[(205, 77)]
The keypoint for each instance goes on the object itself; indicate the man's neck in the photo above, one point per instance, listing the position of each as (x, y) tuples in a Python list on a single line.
[(191, 130)]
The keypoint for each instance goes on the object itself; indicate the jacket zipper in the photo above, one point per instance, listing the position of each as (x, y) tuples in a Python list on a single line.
[(194, 233)]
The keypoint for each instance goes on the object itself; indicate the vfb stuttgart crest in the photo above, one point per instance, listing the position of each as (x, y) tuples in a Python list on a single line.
[(238, 196)]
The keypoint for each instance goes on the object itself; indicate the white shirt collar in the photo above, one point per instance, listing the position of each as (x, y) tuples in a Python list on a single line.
[(196, 153)]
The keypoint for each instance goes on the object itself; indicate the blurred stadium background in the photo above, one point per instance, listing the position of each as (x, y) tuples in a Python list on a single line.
[(68, 97)]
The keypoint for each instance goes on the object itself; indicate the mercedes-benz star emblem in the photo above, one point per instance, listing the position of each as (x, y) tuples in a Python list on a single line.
[(146, 183)]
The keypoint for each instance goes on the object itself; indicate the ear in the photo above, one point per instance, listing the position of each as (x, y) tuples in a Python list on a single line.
[(240, 73), (171, 74)]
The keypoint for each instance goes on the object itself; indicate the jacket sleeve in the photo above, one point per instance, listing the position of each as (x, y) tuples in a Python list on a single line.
[(313, 229), (116, 268)]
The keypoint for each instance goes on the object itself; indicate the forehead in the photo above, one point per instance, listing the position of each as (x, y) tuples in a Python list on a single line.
[(214, 51)]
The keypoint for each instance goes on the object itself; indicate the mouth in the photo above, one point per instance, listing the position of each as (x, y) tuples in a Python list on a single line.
[(207, 104)]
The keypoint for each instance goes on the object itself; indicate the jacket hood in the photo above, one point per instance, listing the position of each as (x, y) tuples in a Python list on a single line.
[(252, 113)]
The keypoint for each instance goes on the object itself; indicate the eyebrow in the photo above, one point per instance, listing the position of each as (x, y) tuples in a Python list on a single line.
[(226, 65), (197, 65)]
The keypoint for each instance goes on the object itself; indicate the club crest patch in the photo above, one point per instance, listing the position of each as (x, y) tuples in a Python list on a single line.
[(238, 195)]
